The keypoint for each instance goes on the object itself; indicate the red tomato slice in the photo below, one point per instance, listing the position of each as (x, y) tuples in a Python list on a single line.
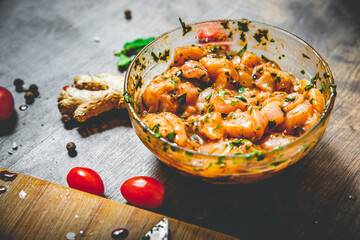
[(211, 34), (145, 192), (85, 179), (6, 103)]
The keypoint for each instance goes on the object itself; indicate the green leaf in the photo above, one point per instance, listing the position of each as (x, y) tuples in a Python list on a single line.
[(123, 60), (130, 48)]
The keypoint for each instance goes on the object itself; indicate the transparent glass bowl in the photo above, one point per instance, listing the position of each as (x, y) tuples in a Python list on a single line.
[(289, 51)]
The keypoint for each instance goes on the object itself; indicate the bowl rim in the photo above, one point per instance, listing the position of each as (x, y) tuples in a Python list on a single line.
[(329, 104)]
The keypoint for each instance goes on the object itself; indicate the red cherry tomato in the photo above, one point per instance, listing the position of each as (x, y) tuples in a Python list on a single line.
[(85, 179), (211, 34), (6, 103), (143, 192)]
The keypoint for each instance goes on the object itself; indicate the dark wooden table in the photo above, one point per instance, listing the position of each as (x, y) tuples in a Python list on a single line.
[(50, 42)]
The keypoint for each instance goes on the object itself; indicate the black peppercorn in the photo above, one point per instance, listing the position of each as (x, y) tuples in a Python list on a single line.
[(128, 14), (65, 118), (18, 82), (33, 88), (29, 97), (70, 146), (71, 149)]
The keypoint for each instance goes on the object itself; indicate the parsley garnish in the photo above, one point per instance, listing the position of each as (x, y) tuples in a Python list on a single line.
[(171, 136), (271, 124), (241, 52), (209, 96), (128, 98), (288, 98), (222, 93), (242, 89), (185, 28)]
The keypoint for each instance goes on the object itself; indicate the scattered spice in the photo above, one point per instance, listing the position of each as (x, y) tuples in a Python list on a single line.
[(71, 147), (7, 176), (127, 14), (29, 97), (18, 82)]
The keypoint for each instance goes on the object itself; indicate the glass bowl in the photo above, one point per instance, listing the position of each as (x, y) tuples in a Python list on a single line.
[(289, 51)]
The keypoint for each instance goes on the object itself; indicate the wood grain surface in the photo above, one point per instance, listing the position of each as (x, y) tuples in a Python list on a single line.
[(51, 42), (50, 211)]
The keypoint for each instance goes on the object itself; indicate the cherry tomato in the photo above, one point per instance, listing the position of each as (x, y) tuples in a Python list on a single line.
[(6, 103), (85, 179), (145, 192), (211, 34), (65, 87)]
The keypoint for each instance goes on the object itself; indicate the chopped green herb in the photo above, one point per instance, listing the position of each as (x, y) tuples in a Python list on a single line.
[(261, 33), (242, 89), (233, 103), (128, 98), (308, 87), (171, 136), (278, 148), (241, 52), (257, 154), (243, 26), (225, 24), (189, 154), (271, 124), (230, 34), (209, 96), (323, 88), (283, 110), (276, 163), (178, 73), (305, 56), (222, 93), (251, 109), (302, 72), (217, 127), (156, 58), (220, 160), (181, 99), (242, 99), (289, 98), (326, 75), (185, 28)]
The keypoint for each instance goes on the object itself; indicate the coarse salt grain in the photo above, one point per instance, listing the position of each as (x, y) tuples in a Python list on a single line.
[(22, 194)]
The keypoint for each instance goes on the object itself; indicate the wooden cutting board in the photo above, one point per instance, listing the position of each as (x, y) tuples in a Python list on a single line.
[(50, 211)]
